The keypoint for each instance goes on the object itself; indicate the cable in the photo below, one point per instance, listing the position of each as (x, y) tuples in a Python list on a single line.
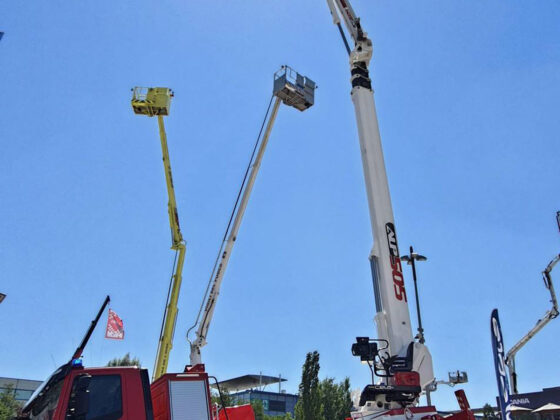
[(343, 37), (372, 374), (248, 168), (221, 397), (232, 215)]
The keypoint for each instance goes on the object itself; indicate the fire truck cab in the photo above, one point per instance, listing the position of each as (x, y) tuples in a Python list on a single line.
[(73, 392)]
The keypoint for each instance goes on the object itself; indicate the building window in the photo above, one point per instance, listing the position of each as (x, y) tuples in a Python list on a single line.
[(23, 394), (277, 406)]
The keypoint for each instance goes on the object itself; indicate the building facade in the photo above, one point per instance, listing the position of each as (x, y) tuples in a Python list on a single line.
[(535, 400), (23, 388), (274, 403), (542, 405)]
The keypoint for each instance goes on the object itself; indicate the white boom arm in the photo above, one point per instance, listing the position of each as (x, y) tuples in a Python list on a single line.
[(548, 316), (295, 90), (227, 246), (391, 300)]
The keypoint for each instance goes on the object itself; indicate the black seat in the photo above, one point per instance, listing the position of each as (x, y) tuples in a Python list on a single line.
[(402, 364)]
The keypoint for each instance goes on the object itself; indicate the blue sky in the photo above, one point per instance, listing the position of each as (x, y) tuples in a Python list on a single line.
[(467, 94)]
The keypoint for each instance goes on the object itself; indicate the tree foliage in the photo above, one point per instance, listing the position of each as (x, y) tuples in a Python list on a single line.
[(488, 412), (9, 406), (226, 400), (335, 399), (309, 405), (321, 400), (318, 400), (329, 393), (258, 409), (126, 360), (348, 404)]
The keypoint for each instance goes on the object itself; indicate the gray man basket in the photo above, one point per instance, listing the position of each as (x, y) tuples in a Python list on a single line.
[(294, 89)]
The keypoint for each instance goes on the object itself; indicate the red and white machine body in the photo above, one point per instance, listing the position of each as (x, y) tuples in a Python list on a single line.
[(403, 365), (393, 317), (186, 396), (391, 300)]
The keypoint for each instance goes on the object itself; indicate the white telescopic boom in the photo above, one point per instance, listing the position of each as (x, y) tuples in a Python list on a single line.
[(548, 316), (393, 318), (225, 252), (351, 21), (391, 300), (295, 90)]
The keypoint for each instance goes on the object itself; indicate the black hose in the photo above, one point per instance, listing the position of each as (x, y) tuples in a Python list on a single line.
[(221, 397)]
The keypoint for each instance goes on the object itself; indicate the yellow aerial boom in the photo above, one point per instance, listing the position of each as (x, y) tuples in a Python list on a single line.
[(152, 102)]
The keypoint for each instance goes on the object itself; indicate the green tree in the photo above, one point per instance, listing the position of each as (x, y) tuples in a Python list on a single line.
[(347, 404), (8, 405), (126, 360), (309, 405), (329, 398), (287, 416), (258, 409), (335, 399), (226, 400), (488, 412)]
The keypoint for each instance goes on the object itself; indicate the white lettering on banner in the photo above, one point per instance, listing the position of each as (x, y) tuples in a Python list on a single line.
[(520, 401)]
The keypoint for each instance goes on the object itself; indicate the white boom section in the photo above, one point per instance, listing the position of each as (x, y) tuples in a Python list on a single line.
[(548, 316), (393, 317), (227, 246)]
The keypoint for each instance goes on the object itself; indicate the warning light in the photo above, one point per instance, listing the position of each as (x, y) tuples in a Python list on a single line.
[(77, 363)]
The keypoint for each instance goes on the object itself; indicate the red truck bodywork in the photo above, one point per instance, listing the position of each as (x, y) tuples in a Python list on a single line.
[(135, 402), (124, 393), (238, 412), (162, 393)]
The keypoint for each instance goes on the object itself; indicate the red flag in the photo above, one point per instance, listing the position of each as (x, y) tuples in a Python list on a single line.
[(115, 327)]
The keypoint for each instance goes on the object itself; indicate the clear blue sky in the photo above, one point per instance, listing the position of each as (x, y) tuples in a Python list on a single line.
[(468, 101)]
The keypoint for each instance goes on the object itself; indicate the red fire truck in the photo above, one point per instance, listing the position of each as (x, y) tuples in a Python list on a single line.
[(75, 392)]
